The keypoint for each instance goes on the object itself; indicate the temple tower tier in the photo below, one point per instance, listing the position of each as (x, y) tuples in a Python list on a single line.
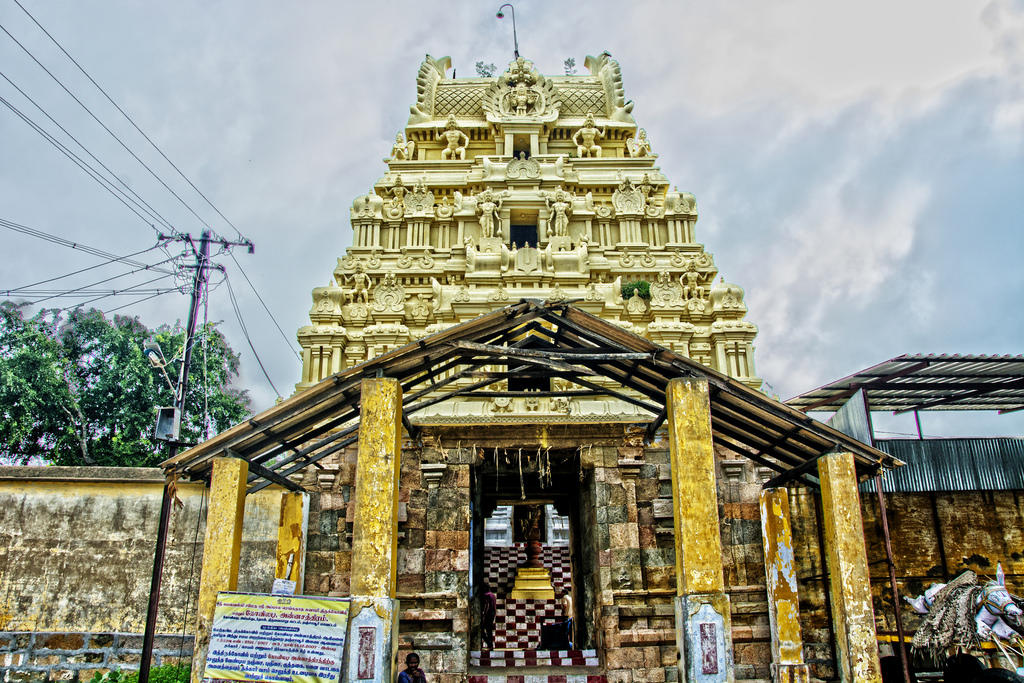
[(524, 186)]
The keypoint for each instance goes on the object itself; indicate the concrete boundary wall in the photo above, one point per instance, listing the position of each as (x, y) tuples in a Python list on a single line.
[(76, 560)]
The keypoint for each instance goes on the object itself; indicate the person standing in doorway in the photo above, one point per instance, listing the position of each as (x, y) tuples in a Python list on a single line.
[(413, 673), (488, 610), (567, 613)]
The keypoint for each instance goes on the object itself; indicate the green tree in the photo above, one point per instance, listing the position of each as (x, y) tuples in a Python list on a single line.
[(79, 391)]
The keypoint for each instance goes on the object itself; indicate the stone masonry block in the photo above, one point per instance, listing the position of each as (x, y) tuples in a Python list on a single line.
[(63, 641)]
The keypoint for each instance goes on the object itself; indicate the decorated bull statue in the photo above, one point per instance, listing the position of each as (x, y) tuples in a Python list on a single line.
[(961, 614)]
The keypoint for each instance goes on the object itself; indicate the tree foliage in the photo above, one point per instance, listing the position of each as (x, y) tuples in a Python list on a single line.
[(78, 390)]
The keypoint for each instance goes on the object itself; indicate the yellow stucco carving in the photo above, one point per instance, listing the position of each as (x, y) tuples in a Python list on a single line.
[(523, 185)]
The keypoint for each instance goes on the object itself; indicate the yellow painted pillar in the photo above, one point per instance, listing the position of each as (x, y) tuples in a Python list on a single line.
[(703, 623), (849, 586), (221, 548), (291, 543), (783, 595), (373, 622)]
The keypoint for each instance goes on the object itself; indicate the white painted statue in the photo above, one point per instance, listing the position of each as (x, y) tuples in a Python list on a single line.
[(488, 204), (456, 139), (586, 138), (402, 150)]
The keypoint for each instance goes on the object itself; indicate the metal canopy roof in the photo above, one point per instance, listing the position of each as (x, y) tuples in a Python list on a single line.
[(927, 382), (527, 339)]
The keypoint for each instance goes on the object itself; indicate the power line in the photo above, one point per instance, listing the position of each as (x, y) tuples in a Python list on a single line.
[(265, 308), (135, 303), (91, 172), (24, 288), (119, 292), (245, 333), (86, 292), (104, 126), (113, 277), (123, 113), (33, 232)]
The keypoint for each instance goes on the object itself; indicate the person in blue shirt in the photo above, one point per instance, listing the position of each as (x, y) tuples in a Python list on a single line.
[(413, 673)]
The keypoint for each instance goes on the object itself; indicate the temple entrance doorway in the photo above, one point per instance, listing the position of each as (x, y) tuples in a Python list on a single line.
[(527, 550)]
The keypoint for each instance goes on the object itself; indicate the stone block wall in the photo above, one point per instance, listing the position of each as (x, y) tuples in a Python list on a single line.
[(76, 561), (934, 536), (624, 572), (48, 656), (433, 549)]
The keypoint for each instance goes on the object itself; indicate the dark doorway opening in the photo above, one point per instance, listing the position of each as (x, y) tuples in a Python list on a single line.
[(521, 235), (528, 511)]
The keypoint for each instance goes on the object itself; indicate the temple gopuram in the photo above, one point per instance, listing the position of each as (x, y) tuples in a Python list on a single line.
[(524, 186), (528, 443)]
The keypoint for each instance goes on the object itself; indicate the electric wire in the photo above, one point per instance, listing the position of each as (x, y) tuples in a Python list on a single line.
[(80, 271), (113, 277), (116, 293), (129, 119), (89, 292), (135, 303), (91, 172), (34, 232), (245, 333), (159, 151), (191, 574), (265, 308), (104, 126)]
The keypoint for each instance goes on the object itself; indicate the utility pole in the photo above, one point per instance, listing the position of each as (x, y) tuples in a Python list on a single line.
[(198, 282)]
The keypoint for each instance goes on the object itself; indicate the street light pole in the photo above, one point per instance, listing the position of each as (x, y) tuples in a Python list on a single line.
[(501, 15), (202, 267)]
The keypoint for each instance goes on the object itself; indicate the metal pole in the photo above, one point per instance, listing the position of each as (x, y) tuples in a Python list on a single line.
[(892, 578), (515, 38), (888, 549), (165, 507)]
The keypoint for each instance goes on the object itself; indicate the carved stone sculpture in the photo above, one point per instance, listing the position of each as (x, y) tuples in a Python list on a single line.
[(561, 209), (402, 150), (396, 209), (360, 286), (522, 92), (628, 198), (488, 204), (690, 280), (639, 147), (522, 168), (456, 139), (388, 295), (586, 138)]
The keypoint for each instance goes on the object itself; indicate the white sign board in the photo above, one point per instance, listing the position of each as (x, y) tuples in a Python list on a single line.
[(258, 637)]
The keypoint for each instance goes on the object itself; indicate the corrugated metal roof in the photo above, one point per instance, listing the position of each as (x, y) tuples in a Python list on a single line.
[(553, 338), (927, 382), (954, 465)]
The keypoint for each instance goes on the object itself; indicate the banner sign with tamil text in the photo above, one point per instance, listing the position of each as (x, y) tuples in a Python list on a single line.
[(291, 639)]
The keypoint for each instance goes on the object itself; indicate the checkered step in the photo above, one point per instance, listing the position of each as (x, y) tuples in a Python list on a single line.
[(518, 658), (500, 566), (539, 678), (517, 622)]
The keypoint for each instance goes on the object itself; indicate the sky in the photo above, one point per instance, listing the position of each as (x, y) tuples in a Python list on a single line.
[(858, 166)]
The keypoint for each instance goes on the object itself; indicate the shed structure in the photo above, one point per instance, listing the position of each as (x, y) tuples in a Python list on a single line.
[(672, 578)]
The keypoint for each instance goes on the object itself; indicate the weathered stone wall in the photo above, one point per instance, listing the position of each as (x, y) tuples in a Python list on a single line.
[(934, 536), (76, 556), (42, 656), (624, 571)]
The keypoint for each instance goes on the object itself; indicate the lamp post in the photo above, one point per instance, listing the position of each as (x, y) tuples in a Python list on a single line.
[(501, 15)]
